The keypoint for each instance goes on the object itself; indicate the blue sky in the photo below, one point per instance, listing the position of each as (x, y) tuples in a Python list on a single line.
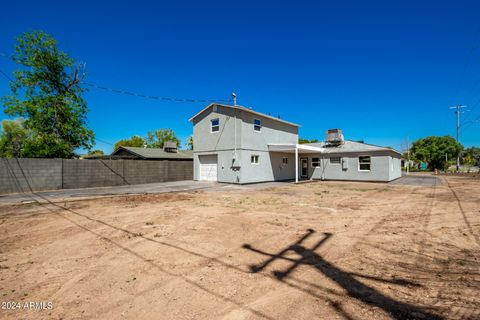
[(380, 70)]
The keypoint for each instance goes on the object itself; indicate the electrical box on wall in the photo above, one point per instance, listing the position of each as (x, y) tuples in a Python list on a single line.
[(344, 164)]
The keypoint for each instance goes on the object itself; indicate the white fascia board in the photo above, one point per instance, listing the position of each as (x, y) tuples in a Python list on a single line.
[(292, 147), (310, 148)]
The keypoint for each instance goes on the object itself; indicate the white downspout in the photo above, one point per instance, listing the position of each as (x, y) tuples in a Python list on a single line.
[(296, 164)]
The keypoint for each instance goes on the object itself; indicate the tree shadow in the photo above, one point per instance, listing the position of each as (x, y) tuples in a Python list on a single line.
[(346, 280)]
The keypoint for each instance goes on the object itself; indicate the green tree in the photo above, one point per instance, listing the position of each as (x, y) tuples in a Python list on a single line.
[(303, 140), (13, 138), (135, 141), (189, 143), (432, 150), (156, 138), (46, 92), (471, 156), (96, 153)]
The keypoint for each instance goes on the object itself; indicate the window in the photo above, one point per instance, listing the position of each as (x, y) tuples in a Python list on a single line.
[(257, 125), (315, 162), (335, 160), (285, 160), (215, 125), (254, 159), (364, 163)]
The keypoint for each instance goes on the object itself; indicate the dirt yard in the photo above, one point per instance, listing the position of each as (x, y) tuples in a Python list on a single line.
[(324, 250)]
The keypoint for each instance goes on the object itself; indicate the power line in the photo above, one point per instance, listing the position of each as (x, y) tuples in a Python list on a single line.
[(103, 141), (130, 93), (467, 118), (5, 75), (469, 123)]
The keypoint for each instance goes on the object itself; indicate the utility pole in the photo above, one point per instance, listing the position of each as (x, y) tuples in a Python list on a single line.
[(457, 112), (408, 156)]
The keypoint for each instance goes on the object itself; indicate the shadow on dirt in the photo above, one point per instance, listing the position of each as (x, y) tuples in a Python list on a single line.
[(346, 280)]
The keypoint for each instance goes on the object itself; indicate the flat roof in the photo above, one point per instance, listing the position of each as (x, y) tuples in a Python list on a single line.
[(246, 110)]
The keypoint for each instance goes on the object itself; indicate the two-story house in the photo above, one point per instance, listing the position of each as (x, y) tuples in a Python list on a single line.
[(235, 144)]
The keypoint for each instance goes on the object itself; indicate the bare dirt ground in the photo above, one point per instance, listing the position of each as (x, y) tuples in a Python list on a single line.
[(325, 250)]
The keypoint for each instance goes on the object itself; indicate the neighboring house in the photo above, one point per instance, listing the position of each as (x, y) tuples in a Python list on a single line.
[(153, 154), (240, 145), (136, 153)]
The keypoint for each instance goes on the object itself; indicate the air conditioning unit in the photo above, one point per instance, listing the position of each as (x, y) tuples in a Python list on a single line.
[(334, 136), (170, 146)]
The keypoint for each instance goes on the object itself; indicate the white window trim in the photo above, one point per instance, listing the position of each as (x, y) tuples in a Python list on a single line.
[(319, 162), (335, 163), (363, 170), (258, 159), (259, 131), (211, 125)]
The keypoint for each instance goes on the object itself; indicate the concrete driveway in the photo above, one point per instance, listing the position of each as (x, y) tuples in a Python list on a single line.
[(60, 195), (150, 188), (174, 186), (417, 179)]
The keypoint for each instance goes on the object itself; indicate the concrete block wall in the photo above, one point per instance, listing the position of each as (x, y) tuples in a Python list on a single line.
[(180, 170), (23, 175), (138, 171), (92, 173)]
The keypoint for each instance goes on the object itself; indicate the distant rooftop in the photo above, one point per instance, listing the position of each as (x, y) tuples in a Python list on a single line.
[(155, 153)]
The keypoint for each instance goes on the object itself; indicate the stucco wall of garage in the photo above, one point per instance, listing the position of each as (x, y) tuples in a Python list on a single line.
[(227, 170)]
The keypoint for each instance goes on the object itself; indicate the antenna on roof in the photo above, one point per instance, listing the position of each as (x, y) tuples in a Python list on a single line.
[(234, 97)]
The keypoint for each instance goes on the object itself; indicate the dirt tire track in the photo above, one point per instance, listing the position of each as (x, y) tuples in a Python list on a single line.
[(462, 211)]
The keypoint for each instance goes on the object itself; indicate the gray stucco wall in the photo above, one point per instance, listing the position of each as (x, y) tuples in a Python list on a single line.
[(224, 139), (382, 167), (269, 167), (23, 175), (249, 142), (272, 132)]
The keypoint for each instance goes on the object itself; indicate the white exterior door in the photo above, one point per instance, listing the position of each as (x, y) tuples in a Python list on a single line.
[(208, 167)]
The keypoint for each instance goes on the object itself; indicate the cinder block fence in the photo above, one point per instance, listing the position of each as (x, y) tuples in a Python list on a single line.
[(24, 175)]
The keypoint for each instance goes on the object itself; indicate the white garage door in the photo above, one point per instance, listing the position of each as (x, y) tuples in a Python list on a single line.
[(208, 167)]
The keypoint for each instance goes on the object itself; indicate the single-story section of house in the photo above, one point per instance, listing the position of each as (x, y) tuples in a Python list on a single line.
[(235, 144), (348, 160)]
